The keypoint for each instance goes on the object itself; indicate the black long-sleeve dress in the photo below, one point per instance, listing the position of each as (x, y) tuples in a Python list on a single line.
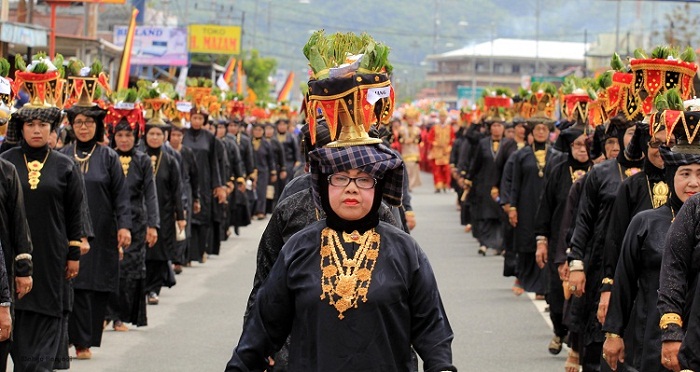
[(634, 294), (487, 213), (203, 145), (266, 165), (678, 289), (168, 189), (110, 210), (131, 304), (190, 193), (526, 189), (54, 218), (401, 311)]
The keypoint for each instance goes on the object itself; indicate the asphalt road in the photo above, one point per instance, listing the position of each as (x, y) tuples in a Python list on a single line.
[(197, 323)]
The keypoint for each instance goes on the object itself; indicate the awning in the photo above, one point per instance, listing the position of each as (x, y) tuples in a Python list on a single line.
[(26, 34)]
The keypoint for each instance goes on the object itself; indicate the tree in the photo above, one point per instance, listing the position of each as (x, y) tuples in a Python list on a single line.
[(258, 70), (680, 30)]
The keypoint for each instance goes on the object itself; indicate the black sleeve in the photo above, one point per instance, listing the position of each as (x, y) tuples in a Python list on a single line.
[(475, 163), (543, 217), (517, 182), (214, 166), (585, 218), (194, 173), (176, 189), (119, 193), (5, 293), (627, 273), (620, 217), (73, 200), (681, 240), (19, 228), (568, 221), (151, 197)]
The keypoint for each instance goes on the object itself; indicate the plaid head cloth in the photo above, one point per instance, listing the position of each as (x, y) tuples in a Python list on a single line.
[(676, 159), (379, 161), (51, 115)]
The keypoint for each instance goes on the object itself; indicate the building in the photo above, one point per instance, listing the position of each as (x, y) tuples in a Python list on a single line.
[(462, 74)]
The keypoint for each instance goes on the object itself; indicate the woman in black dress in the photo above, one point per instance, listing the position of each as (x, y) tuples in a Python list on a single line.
[(53, 190), (110, 211), (129, 305)]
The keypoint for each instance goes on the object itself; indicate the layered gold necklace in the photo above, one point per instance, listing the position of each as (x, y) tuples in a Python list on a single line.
[(346, 280), (84, 163), (34, 168), (155, 162)]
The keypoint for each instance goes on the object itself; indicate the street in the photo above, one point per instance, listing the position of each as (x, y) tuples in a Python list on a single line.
[(197, 323)]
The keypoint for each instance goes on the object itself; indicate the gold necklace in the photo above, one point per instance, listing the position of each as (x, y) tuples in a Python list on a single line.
[(155, 162), (658, 195), (125, 160), (84, 163), (575, 175), (256, 143), (628, 172), (673, 215), (34, 168), (346, 280), (541, 158)]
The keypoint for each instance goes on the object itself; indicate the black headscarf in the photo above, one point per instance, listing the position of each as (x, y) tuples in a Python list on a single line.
[(673, 161), (94, 112)]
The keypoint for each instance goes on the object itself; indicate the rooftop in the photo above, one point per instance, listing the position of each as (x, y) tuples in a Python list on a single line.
[(521, 48)]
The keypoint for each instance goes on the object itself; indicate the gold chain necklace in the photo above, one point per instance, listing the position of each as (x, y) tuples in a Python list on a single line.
[(575, 175), (346, 280), (673, 215), (155, 162), (125, 160), (84, 163), (34, 168), (540, 158)]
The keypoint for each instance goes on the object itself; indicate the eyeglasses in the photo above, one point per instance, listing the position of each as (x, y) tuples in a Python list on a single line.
[(84, 123), (339, 180), (655, 144)]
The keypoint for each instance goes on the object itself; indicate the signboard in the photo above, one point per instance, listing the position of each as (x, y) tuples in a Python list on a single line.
[(213, 39), (466, 96), (156, 45), (23, 34), (91, 1), (546, 79)]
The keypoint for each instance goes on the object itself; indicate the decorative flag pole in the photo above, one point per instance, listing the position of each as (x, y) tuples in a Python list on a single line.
[(125, 67), (286, 88)]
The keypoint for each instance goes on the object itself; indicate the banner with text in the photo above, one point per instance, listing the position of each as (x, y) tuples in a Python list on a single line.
[(214, 39), (156, 45)]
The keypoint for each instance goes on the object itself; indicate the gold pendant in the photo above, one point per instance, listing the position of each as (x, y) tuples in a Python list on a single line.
[(631, 171), (125, 160), (540, 173), (660, 191), (34, 172)]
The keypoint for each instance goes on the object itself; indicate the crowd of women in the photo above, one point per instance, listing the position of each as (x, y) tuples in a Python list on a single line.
[(594, 211), (101, 207)]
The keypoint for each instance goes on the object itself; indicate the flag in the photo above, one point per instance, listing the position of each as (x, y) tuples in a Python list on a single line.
[(239, 77), (125, 66), (286, 88), (230, 67)]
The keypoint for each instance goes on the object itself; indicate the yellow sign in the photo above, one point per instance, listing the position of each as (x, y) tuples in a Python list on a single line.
[(213, 39)]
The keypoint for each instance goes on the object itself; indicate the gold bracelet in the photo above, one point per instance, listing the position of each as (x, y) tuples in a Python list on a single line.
[(410, 213), (670, 318), (608, 281), (512, 209), (23, 256), (74, 243), (611, 335), (576, 265)]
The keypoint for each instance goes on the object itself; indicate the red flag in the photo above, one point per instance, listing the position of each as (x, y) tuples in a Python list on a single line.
[(286, 88), (230, 67), (239, 77)]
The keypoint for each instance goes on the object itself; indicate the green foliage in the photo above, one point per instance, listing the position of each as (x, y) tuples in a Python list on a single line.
[(74, 67), (616, 63), (19, 63), (324, 52), (258, 69), (4, 67), (669, 100)]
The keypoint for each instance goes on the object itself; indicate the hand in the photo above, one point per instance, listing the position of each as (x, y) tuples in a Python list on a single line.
[(23, 285), (196, 207), (5, 323), (669, 355), (273, 178), (124, 238), (151, 236), (614, 351), (603, 306), (229, 187), (72, 269), (84, 246), (220, 194), (513, 217), (181, 224), (563, 272), (541, 254), (577, 279), (495, 194), (410, 221), (283, 175)]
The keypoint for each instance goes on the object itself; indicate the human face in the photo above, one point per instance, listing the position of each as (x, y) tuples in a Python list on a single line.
[(84, 128), (258, 132), (686, 181), (540, 133), (579, 151), (269, 131), (220, 131), (176, 138), (653, 149), (124, 140), (612, 148), (155, 138), (629, 133), (509, 133), (350, 202), (519, 133), (232, 128), (282, 127), (196, 121), (497, 129), (36, 133)]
